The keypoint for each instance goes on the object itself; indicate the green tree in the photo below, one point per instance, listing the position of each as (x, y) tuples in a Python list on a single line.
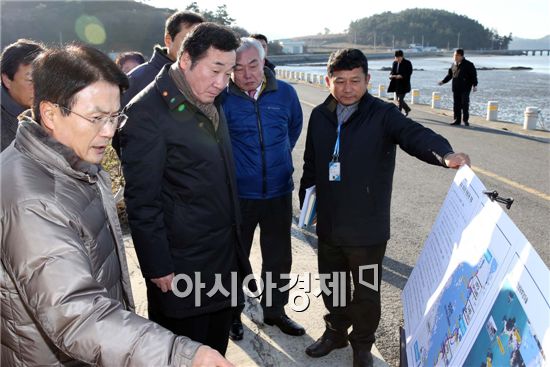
[(220, 16), (428, 26)]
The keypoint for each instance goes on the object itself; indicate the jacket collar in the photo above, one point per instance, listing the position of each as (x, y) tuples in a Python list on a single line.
[(160, 57), (270, 84), (9, 104), (33, 140), (328, 107)]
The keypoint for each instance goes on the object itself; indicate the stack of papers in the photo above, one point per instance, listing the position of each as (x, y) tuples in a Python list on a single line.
[(308, 215)]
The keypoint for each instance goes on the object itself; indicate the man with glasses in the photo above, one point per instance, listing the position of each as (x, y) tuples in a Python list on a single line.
[(64, 282)]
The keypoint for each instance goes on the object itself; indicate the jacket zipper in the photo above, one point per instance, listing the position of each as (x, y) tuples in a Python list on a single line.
[(262, 148)]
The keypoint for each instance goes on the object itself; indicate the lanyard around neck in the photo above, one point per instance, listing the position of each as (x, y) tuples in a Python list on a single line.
[(336, 152)]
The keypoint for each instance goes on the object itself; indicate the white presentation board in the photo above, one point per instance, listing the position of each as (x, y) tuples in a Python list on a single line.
[(479, 293)]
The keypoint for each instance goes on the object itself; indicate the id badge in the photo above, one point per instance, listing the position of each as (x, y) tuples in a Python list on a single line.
[(334, 171)]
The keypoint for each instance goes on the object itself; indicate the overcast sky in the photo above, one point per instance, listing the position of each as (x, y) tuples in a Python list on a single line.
[(291, 18)]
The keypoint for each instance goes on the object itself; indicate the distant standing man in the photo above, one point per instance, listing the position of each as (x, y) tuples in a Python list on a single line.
[(464, 76), (350, 157), (17, 87), (64, 282), (400, 76), (265, 120), (181, 192), (263, 40)]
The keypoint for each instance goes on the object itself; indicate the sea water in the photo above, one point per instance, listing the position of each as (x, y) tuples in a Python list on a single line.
[(514, 90)]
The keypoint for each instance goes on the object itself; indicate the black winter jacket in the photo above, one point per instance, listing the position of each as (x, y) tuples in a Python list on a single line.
[(139, 78), (356, 210), (401, 86), (142, 75), (8, 122), (464, 76), (181, 196)]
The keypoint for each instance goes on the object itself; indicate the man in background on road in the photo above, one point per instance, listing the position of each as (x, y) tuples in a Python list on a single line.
[(64, 282), (181, 193), (264, 117), (350, 158), (464, 76), (17, 88), (263, 40), (400, 80)]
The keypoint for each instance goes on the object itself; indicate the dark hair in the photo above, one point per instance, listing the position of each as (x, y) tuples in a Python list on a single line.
[(22, 52), (399, 53), (58, 74), (347, 59), (123, 57), (460, 51), (174, 22), (207, 35), (259, 37)]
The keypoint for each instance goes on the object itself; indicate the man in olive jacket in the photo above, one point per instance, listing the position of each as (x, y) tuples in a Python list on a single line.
[(350, 158), (64, 282), (181, 193)]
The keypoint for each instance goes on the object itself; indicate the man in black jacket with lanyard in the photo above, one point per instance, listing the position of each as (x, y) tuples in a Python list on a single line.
[(350, 158), (464, 76)]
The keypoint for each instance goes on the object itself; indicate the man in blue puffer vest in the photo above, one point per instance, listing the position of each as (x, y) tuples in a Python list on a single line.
[(264, 117)]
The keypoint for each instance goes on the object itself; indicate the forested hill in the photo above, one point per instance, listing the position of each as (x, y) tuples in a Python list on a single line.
[(437, 28), (108, 25)]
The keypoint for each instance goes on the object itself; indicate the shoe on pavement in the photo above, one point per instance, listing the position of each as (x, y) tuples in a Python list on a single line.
[(466, 123), (236, 332), (456, 123), (329, 341), (362, 358), (286, 325)]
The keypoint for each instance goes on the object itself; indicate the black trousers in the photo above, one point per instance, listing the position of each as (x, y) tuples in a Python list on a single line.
[(402, 103), (211, 329), (274, 216), (461, 106), (362, 310)]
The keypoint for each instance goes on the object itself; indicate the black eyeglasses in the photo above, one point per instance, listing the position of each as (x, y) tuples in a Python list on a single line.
[(118, 120)]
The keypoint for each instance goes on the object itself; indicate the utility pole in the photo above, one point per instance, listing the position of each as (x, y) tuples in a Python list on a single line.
[(375, 40), (422, 41), (393, 41), (458, 41)]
